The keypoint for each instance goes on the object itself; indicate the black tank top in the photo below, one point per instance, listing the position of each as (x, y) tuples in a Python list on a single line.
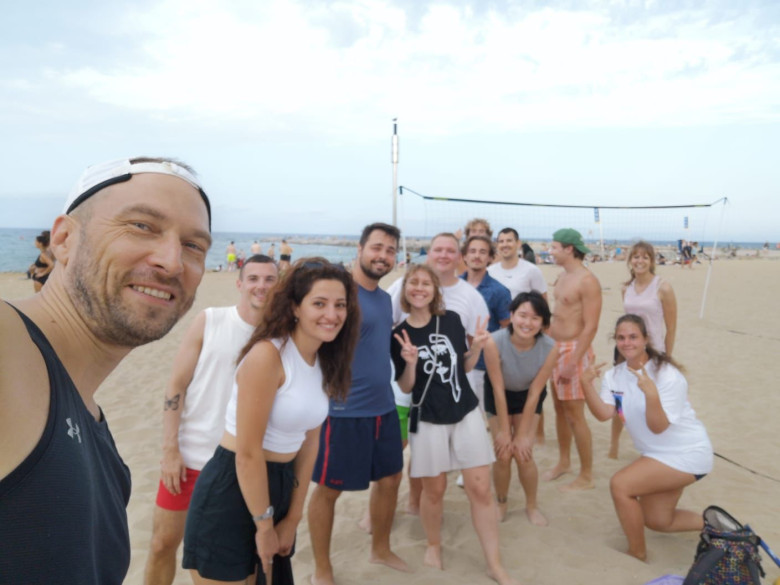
[(62, 510)]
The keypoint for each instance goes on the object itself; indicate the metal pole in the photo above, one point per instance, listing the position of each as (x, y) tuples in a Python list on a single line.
[(712, 257), (395, 172)]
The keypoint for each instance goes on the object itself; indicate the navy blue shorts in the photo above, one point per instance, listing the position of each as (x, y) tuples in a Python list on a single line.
[(356, 451), (219, 537)]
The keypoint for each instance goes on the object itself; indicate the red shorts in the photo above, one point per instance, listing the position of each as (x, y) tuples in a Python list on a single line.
[(168, 501)]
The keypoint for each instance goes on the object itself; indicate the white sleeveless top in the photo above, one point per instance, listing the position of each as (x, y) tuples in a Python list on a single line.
[(300, 404), (203, 416)]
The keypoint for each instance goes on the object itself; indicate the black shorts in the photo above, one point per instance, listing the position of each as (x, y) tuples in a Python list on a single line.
[(354, 451), (515, 399), (219, 536)]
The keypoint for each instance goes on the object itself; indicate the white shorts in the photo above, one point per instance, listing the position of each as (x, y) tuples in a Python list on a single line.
[(437, 449)]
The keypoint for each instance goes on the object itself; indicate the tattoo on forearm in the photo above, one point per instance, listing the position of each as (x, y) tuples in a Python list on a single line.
[(172, 403)]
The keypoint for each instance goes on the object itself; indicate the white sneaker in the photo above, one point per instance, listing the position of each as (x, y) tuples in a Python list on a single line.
[(459, 481)]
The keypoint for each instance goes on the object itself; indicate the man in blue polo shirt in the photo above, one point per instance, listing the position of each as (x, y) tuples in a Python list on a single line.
[(361, 438), (478, 253)]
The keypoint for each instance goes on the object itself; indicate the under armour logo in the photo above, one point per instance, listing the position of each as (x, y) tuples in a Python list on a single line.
[(73, 431)]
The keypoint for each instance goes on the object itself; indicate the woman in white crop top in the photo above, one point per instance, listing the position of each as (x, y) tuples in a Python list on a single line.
[(648, 295), (249, 497)]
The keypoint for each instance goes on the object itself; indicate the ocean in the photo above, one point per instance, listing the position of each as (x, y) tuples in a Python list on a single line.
[(18, 251)]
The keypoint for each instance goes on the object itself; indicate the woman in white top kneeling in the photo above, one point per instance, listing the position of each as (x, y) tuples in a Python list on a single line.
[(649, 392), (249, 497)]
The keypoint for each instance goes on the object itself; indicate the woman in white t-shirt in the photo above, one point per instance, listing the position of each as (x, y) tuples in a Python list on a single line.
[(650, 394), (249, 497)]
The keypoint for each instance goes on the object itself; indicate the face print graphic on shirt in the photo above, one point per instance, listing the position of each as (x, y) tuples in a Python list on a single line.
[(441, 351)]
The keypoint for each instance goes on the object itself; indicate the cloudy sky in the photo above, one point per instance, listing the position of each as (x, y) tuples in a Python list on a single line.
[(285, 108)]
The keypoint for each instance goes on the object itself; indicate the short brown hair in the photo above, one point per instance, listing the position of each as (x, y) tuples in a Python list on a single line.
[(437, 303)]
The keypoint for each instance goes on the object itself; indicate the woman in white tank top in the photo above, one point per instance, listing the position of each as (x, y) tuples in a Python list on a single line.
[(652, 298), (250, 495)]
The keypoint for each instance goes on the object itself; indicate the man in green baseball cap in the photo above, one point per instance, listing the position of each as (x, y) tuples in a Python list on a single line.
[(577, 294), (571, 237)]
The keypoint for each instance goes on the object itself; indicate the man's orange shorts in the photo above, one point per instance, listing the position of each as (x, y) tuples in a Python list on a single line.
[(570, 389)]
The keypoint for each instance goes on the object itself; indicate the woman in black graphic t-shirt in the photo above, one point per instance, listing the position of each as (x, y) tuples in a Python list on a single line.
[(446, 430)]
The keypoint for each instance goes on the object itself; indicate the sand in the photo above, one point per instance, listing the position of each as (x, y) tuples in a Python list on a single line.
[(731, 356)]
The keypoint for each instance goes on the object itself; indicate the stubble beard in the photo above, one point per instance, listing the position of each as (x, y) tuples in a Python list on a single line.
[(108, 316)]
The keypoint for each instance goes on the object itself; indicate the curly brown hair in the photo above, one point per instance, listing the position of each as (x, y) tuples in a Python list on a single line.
[(279, 320)]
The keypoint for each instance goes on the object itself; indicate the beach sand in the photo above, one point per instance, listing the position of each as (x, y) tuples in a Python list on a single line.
[(731, 356)]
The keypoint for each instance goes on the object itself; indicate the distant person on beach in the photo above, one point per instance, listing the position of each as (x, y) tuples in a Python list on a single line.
[(360, 444), (648, 391), (249, 498), (446, 429), (131, 248), (515, 273), (520, 360), (478, 253), (44, 263), (574, 324), (272, 251), (194, 407), (232, 256), (652, 298), (255, 248), (285, 256), (687, 255)]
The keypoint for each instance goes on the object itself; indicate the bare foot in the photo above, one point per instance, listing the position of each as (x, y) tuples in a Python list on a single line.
[(502, 507), (555, 472), (365, 523), (641, 555), (390, 559), (580, 483), (432, 557), (324, 580), (535, 517), (501, 577), (613, 452)]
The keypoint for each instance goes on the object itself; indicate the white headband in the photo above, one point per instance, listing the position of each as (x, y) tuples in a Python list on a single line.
[(100, 176)]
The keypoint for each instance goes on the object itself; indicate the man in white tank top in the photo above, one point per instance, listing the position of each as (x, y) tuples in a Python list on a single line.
[(194, 407)]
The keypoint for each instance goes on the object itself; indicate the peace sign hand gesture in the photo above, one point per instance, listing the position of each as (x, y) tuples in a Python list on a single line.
[(481, 334), (408, 349), (644, 381)]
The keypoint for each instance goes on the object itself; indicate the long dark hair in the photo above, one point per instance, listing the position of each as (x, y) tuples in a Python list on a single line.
[(656, 356), (538, 304), (279, 321)]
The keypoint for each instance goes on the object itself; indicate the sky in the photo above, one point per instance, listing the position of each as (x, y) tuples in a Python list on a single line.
[(286, 108)]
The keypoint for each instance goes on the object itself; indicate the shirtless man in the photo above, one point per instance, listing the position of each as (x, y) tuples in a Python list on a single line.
[(194, 407), (231, 256), (131, 248), (577, 294), (285, 255), (256, 248)]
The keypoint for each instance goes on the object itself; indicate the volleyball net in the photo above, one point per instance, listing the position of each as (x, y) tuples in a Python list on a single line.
[(607, 229)]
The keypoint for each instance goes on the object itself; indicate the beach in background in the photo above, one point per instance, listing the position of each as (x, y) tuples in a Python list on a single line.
[(731, 365)]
